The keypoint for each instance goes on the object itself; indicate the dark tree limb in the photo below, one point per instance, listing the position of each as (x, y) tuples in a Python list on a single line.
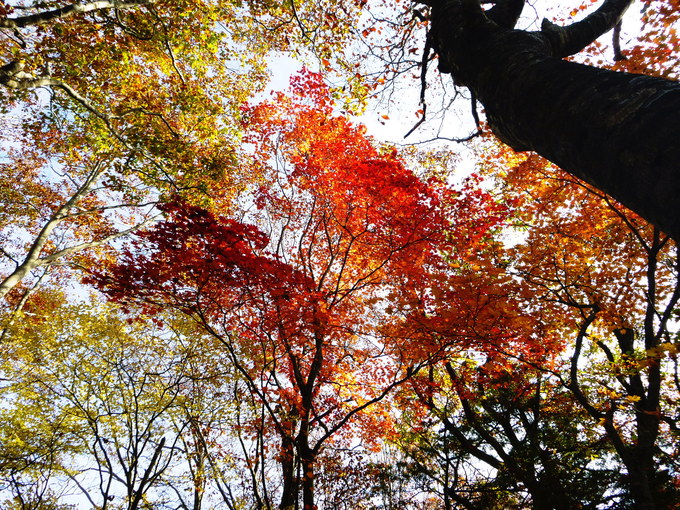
[(574, 384), (423, 82), (616, 43), (616, 131), (506, 13), (571, 39)]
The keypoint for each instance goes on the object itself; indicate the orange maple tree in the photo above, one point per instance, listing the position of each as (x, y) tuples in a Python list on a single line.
[(610, 281), (599, 288)]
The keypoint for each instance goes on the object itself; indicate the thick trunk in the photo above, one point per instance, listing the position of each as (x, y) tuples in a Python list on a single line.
[(614, 130), (640, 482), (549, 492)]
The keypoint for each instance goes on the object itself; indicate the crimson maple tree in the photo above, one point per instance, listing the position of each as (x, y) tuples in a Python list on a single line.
[(320, 313)]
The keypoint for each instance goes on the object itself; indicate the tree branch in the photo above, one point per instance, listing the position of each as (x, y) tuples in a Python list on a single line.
[(574, 385), (50, 259), (32, 257), (506, 13), (573, 38), (423, 81), (13, 76), (68, 11), (616, 43)]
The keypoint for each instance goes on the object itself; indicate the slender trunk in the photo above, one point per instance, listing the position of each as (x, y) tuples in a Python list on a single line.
[(290, 485), (306, 453), (307, 458), (199, 478), (137, 495)]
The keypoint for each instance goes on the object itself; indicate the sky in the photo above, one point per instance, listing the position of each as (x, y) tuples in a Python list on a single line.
[(389, 119)]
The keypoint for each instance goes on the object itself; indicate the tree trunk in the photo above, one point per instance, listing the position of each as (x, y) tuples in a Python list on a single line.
[(290, 483), (617, 131), (307, 459), (307, 456), (640, 482)]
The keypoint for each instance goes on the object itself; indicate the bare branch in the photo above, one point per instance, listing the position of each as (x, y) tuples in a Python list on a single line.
[(9, 256), (32, 259), (423, 82), (573, 38), (447, 139)]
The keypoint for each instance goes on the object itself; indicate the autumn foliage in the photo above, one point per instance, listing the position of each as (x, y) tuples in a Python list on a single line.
[(329, 311), (278, 311)]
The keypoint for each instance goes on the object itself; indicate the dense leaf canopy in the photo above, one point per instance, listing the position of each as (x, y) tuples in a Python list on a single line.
[(214, 296)]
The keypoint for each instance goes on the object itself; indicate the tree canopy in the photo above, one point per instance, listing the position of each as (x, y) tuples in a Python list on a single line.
[(215, 295)]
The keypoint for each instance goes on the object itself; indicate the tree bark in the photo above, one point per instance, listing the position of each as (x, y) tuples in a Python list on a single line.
[(616, 131), (307, 458)]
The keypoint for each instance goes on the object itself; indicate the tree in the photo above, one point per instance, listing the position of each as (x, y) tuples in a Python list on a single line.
[(608, 281), (320, 316), (505, 435), (302, 275), (586, 404), (89, 406), (107, 106), (611, 129)]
